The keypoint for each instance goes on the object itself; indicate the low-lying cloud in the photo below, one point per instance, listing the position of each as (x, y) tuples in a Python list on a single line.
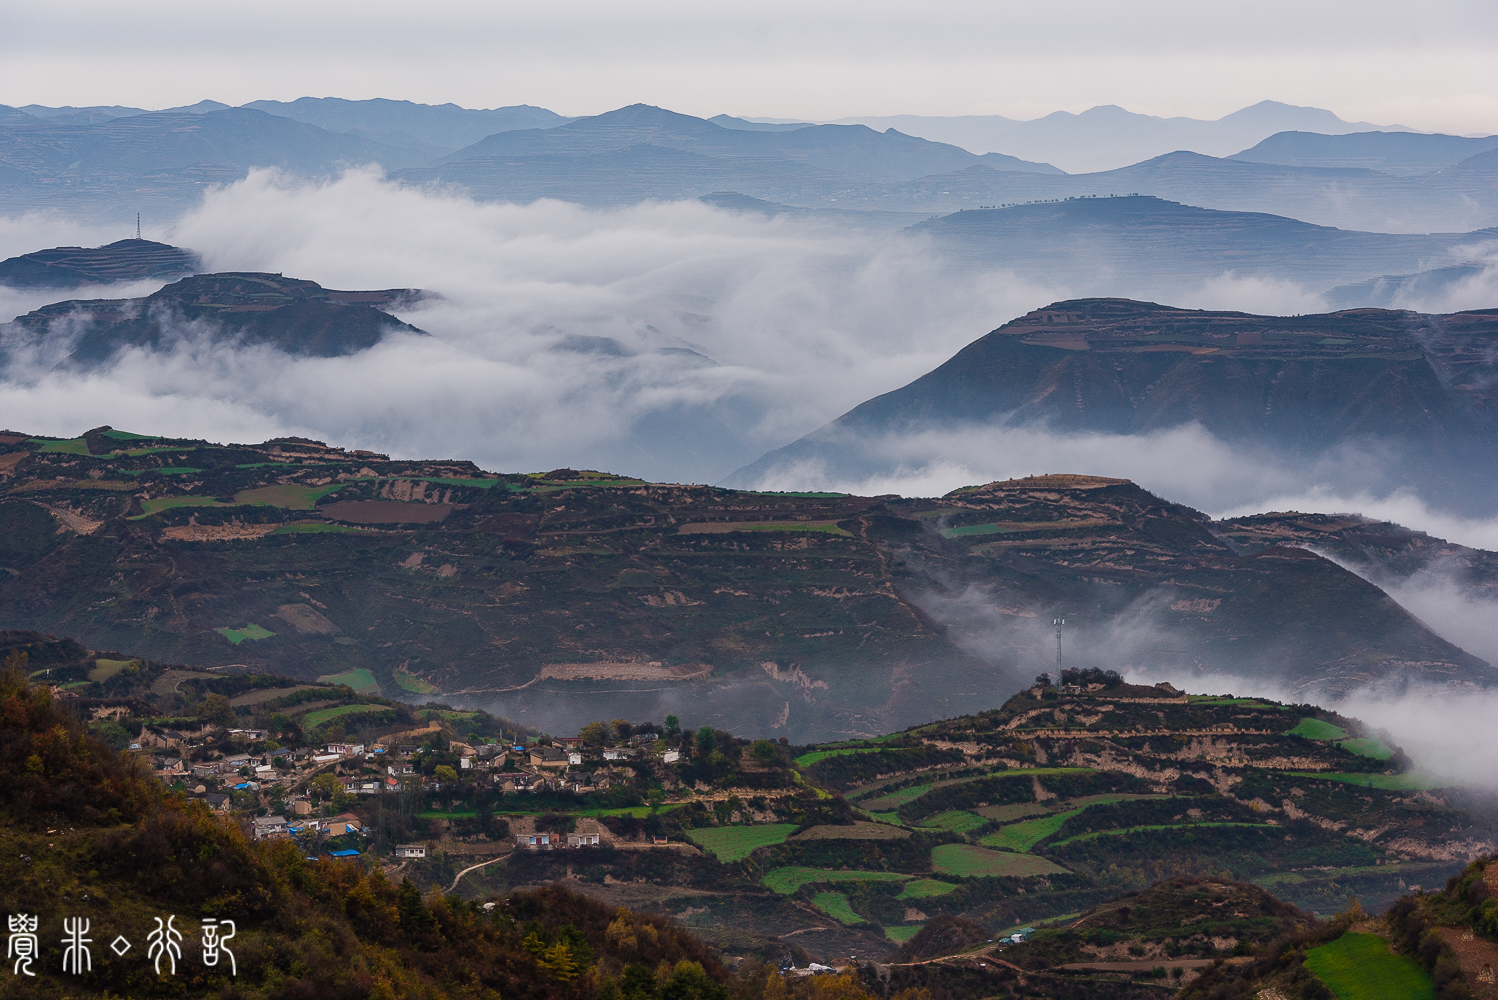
[(674, 341)]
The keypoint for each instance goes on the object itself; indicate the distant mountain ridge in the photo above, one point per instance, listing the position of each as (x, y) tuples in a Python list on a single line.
[(161, 162), (1107, 136), (1144, 245), (1419, 387), (1403, 154)]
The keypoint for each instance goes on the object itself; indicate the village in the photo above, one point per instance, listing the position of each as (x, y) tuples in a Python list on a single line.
[(311, 794)]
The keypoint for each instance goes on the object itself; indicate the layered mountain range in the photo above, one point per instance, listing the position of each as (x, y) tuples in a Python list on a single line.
[(103, 161), (1415, 389)]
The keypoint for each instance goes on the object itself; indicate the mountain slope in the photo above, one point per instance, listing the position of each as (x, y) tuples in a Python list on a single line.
[(1299, 387), (442, 127), (123, 260), (568, 596), (288, 314), (1144, 245), (1397, 153)]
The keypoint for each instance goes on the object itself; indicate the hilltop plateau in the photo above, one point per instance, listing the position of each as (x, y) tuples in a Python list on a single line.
[(288, 314), (566, 595), (122, 260), (1411, 387)]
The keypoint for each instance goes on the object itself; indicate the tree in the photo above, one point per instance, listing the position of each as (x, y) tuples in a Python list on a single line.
[(624, 728), (445, 774), (558, 963), (706, 740), (217, 710), (1043, 680), (324, 786), (673, 725), (689, 981), (764, 751), (594, 734)]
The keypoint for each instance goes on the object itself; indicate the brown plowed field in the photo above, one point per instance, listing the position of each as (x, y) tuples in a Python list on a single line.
[(386, 512)]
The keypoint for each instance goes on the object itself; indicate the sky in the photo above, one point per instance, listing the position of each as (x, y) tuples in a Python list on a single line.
[(1428, 66)]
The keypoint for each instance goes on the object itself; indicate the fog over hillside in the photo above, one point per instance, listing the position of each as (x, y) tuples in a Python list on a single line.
[(673, 341)]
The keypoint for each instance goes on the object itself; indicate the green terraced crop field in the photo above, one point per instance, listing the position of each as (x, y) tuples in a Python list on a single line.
[(902, 934), (1370, 746), (808, 759), (250, 631), (955, 820), (835, 905), (1025, 835), (105, 669), (925, 888), (1410, 781), (167, 503), (322, 715), (734, 843), (1140, 829), (414, 684), (77, 446), (317, 528), (358, 679), (965, 859), (787, 880), (290, 497), (1361, 967), (1316, 729)]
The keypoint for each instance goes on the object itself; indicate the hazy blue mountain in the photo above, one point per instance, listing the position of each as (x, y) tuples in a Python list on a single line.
[(1420, 389), (1398, 153), (1154, 247), (728, 121), (1460, 198), (647, 152), (123, 260), (161, 161), (850, 150), (1107, 136), (440, 127)]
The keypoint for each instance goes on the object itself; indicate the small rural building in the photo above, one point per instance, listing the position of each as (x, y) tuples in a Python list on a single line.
[(671, 756), (535, 841), (410, 850), (269, 827), (217, 801), (343, 854), (548, 757), (574, 757), (343, 823), (582, 840)]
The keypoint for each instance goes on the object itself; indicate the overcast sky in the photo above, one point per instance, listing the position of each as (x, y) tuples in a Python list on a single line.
[(1428, 65)]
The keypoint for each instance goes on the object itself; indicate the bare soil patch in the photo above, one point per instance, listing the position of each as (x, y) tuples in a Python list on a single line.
[(618, 671), (1479, 960), (386, 512), (217, 532), (306, 619)]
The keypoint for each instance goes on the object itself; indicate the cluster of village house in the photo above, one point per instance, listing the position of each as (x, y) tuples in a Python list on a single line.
[(544, 768)]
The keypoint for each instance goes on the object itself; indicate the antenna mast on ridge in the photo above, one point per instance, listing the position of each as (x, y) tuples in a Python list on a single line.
[(137, 225), (1058, 622)]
